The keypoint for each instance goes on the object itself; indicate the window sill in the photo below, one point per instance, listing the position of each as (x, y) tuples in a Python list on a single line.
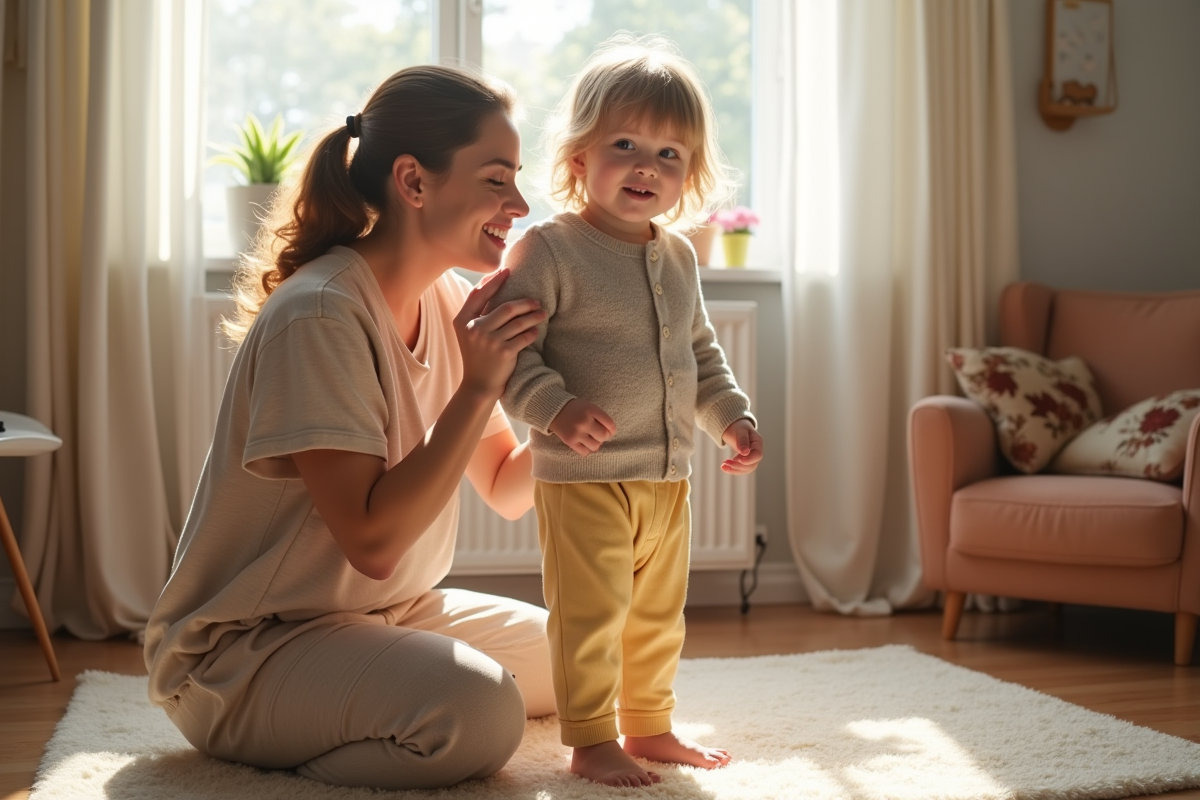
[(741, 275), (219, 271)]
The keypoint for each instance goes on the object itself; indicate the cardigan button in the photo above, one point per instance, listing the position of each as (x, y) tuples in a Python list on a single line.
[(658, 288), (672, 469), (666, 332), (654, 255)]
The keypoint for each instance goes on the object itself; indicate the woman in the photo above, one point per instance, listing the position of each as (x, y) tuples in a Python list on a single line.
[(300, 628)]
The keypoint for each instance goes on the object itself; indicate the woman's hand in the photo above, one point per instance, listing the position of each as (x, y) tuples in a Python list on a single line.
[(742, 436), (583, 426), (490, 339)]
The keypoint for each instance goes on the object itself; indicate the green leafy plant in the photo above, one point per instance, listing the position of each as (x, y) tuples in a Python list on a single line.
[(264, 155)]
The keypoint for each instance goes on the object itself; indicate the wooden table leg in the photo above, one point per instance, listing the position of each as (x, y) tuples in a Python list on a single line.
[(23, 583)]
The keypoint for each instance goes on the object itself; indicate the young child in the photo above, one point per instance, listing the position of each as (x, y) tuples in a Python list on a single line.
[(623, 367)]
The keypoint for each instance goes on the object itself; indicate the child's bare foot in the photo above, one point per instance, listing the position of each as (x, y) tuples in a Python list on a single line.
[(607, 763), (667, 748)]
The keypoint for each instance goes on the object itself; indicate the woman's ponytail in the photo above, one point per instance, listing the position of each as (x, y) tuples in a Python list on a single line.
[(428, 112), (305, 219)]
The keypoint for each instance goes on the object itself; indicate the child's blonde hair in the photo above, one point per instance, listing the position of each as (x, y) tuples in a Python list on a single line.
[(646, 80)]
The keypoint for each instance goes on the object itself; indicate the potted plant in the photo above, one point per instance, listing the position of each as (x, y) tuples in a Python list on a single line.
[(702, 237), (261, 158), (736, 224)]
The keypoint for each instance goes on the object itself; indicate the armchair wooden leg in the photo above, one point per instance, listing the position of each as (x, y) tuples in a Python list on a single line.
[(952, 613), (26, 587), (1185, 637)]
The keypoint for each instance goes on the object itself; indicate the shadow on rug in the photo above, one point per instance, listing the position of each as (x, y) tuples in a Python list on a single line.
[(885, 722)]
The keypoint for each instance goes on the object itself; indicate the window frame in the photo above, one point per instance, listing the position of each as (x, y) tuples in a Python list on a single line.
[(458, 41), (463, 44)]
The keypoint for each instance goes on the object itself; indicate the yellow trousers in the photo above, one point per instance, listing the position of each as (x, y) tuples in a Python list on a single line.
[(614, 575)]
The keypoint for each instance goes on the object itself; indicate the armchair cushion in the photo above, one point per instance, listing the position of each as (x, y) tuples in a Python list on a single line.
[(1069, 519), (1146, 440), (1037, 405)]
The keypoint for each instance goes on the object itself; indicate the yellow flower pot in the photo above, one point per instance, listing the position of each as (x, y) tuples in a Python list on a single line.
[(736, 245)]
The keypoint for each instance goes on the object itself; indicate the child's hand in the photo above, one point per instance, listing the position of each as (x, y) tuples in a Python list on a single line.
[(742, 436), (583, 426)]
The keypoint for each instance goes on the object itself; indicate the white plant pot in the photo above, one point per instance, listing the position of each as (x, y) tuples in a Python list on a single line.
[(702, 240), (245, 209)]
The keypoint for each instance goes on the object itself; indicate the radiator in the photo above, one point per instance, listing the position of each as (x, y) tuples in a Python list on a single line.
[(488, 544), (722, 505)]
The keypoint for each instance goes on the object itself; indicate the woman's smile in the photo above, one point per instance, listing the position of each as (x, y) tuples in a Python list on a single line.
[(497, 234)]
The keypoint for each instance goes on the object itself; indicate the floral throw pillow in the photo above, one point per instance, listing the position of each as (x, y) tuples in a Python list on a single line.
[(1146, 440), (1038, 405)]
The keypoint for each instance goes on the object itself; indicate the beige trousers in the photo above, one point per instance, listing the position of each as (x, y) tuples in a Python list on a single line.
[(439, 698), (614, 574)]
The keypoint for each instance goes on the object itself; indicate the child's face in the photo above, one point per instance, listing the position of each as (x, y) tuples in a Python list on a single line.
[(631, 175)]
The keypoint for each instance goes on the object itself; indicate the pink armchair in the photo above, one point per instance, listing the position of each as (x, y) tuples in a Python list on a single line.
[(1109, 541)]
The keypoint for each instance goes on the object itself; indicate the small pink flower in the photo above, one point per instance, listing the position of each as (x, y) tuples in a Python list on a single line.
[(736, 220)]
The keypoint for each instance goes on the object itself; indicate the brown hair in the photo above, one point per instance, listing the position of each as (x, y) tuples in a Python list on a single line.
[(428, 112), (640, 79)]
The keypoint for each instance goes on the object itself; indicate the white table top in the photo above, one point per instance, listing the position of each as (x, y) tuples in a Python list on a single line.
[(25, 436)]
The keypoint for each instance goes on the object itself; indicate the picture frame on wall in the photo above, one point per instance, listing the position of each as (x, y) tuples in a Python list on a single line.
[(1080, 75)]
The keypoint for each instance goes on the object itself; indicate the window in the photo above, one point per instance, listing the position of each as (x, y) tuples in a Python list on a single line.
[(537, 46), (316, 61), (313, 61)]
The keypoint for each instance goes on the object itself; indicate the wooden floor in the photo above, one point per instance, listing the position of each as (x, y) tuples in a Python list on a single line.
[(1111, 661)]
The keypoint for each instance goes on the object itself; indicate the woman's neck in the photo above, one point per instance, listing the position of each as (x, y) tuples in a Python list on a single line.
[(403, 274)]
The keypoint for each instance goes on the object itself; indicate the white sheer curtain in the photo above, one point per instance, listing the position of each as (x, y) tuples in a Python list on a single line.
[(905, 229), (114, 153)]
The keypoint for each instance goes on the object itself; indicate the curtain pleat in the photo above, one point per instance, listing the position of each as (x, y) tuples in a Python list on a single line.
[(100, 523), (924, 238)]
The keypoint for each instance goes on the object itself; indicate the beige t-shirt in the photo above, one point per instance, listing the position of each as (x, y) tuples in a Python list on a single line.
[(321, 368)]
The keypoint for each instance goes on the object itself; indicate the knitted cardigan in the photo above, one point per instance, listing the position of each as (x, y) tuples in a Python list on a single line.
[(627, 330)]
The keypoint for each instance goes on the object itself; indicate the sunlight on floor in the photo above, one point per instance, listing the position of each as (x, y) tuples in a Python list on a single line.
[(917, 754), (697, 731)]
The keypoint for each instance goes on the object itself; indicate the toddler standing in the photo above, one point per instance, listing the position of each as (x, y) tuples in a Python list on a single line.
[(624, 366)]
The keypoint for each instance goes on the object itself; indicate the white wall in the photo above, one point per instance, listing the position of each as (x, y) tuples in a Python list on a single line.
[(1113, 203)]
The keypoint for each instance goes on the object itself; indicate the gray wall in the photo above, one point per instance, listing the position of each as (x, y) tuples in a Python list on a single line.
[(1113, 203)]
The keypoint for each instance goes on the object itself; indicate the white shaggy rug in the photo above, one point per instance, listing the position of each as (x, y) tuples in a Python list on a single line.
[(885, 722)]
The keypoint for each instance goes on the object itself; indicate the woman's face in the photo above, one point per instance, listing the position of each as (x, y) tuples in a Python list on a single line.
[(470, 209)]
